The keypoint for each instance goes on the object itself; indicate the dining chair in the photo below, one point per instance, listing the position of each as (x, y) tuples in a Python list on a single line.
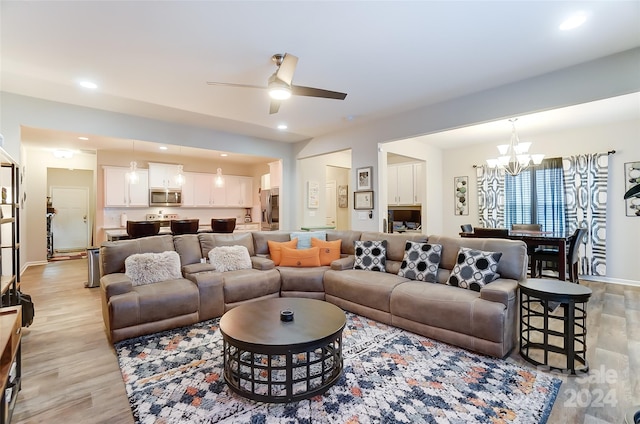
[(526, 227), (184, 226), (466, 228), (541, 256), (491, 232)]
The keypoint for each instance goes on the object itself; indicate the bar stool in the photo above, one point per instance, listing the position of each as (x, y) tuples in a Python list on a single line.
[(184, 226), (223, 225), (137, 229)]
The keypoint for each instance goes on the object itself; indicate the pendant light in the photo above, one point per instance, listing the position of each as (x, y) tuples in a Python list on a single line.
[(514, 157), (132, 175), (219, 180)]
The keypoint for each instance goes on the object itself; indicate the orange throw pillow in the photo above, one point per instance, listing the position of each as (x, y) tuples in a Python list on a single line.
[(329, 250), (300, 257), (276, 246)]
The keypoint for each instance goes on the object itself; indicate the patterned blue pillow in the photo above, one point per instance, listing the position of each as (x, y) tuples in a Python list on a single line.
[(370, 255), (474, 269), (304, 237), (421, 261)]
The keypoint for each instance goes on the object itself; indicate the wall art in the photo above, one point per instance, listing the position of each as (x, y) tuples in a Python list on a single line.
[(363, 199), (313, 195), (632, 187), (343, 199), (461, 195), (364, 177)]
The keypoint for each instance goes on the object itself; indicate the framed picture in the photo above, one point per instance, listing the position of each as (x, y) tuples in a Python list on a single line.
[(363, 176), (313, 194), (343, 199), (363, 199), (461, 195), (632, 188)]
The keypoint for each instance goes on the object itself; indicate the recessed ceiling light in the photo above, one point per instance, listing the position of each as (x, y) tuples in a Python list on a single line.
[(224, 155), (83, 138), (573, 21), (282, 127), (88, 84), (63, 154), (163, 148)]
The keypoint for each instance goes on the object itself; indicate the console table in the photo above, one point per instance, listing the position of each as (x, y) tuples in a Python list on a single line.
[(10, 362), (536, 334)]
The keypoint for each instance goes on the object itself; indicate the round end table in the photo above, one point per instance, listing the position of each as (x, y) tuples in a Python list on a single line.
[(536, 332)]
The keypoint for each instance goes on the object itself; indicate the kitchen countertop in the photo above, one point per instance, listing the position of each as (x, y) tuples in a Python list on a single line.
[(120, 233)]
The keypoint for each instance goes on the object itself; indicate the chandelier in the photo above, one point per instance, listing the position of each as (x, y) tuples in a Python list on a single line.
[(514, 157)]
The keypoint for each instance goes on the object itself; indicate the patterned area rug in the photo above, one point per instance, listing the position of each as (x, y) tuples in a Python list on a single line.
[(390, 376)]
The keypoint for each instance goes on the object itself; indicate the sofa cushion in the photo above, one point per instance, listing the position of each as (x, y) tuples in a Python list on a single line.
[(395, 242), (260, 239), (367, 288), (300, 280), (370, 255), (248, 284), (188, 247), (275, 249), (304, 237), (329, 250), (114, 253), (421, 261), (210, 240), (347, 237), (300, 257), (229, 258), (474, 269), (149, 268)]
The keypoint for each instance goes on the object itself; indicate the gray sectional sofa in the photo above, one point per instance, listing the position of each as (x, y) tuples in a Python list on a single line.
[(483, 321)]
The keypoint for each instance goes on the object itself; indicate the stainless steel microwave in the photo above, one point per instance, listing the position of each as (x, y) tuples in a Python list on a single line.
[(161, 197)]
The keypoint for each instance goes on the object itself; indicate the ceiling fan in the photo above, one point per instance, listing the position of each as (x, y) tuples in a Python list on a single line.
[(279, 84)]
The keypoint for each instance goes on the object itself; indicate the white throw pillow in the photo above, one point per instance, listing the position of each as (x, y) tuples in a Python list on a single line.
[(230, 258), (148, 268)]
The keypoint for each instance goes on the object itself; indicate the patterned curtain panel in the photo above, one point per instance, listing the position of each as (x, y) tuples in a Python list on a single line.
[(490, 196), (585, 180)]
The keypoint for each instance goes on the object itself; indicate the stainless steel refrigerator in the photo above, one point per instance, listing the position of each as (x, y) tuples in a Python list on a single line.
[(269, 205)]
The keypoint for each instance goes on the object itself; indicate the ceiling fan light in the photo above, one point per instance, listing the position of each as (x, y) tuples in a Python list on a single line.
[(279, 93)]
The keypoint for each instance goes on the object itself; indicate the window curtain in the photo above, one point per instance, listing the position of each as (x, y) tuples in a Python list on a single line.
[(585, 180), (490, 196)]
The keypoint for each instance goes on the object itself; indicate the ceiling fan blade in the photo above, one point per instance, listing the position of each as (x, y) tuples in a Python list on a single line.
[(274, 107), (230, 84), (287, 68), (316, 92)]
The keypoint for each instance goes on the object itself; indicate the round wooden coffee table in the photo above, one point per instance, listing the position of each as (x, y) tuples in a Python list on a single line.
[(270, 360)]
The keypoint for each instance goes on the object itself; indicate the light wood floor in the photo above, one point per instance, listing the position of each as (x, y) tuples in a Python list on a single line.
[(71, 375)]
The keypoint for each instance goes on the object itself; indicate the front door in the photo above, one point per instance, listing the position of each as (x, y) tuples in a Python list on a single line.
[(70, 225)]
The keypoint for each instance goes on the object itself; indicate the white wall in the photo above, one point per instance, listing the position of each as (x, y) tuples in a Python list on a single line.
[(315, 169), (623, 232)]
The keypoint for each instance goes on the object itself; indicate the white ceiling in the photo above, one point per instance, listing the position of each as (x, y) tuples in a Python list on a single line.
[(153, 59)]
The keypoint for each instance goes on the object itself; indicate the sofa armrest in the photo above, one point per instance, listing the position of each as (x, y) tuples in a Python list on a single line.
[(261, 263), (343, 263), (211, 290), (116, 283), (502, 290)]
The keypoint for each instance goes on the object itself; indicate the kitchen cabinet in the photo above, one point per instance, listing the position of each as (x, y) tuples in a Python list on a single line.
[(419, 183), (200, 190), (275, 174), (239, 191), (163, 175), (400, 184), (118, 192)]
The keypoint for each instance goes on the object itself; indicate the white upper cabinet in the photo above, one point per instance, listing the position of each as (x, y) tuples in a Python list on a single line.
[(118, 192), (200, 190), (275, 174), (163, 175), (405, 184)]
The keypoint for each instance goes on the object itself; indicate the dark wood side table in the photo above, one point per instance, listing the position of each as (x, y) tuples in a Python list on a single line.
[(270, 360), (538, 297)]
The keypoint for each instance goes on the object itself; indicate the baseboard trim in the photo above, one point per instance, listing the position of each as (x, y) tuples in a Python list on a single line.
[(28, 264), (610, 280)]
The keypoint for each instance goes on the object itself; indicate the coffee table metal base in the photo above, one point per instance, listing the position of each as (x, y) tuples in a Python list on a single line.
[(282, 374)]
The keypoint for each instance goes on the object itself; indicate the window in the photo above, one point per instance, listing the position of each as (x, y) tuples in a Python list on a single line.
[(536, 196)]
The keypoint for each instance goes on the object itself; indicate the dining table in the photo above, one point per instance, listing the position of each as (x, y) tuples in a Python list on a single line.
[(535, 239)]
